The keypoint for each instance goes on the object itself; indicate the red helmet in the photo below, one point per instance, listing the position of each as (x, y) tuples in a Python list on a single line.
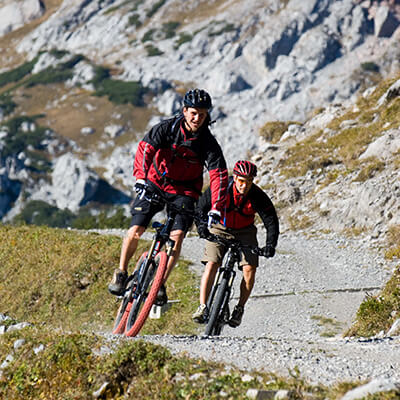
[(245, 168)]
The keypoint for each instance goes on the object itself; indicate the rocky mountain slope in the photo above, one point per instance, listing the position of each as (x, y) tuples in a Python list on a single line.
[(82, 80)]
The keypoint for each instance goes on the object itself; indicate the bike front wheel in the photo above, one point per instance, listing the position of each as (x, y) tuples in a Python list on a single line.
[(215, 321), (141, 305), (126, 303)]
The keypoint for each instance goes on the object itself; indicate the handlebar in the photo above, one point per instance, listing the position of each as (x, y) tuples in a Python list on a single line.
[(156, 196), (235, 244)]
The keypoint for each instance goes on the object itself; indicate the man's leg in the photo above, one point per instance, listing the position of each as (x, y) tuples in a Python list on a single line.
[(177, 236), (129, 245)]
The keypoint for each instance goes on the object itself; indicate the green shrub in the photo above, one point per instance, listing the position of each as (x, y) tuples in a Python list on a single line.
[(58, 53), (227, 27), (119, 92), (122, 92), (17, 140), (148, 35), (40, 213), (134, 19), (183, 38), (85, 220), (57, 74), (7, 104), (155, 8), (153, 51), (18, 73), (370, 66), (169, 29)]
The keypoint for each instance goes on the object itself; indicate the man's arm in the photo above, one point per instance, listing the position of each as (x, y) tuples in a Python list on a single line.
[(202, 209), (156, 138), (216, 165), (263, 206)]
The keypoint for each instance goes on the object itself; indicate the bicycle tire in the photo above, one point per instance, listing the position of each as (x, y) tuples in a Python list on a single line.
[(137, 314), (212, 327), (126, 304)]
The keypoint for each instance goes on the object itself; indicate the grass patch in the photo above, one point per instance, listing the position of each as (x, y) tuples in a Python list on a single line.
[(52, 365), (60, 277), (331, 326), (272, 131), (299, 221), (369, 169), (377, 313), (393, 243)]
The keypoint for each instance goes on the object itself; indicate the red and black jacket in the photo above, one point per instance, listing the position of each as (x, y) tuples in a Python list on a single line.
[(241, 210), (174, 159)]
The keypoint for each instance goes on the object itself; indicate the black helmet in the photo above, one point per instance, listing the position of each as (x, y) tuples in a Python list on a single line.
[(197, 98), (245, 168)]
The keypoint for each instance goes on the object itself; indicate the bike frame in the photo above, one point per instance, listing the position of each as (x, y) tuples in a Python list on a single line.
[(147, 277), (220, 295)]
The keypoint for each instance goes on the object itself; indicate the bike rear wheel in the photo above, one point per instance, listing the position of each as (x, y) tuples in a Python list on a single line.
[(141, 306), (126, 303), (214, 324)]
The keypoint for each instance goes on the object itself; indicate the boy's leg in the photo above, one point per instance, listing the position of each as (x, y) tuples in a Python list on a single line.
[(246, 286), (207, 280)]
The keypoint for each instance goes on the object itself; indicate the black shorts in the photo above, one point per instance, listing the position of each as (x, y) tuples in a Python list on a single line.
[(143, 211)]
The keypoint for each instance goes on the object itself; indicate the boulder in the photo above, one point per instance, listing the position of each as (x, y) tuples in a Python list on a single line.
[(385, 22), (74, 184), (14, 14), (384, 147)]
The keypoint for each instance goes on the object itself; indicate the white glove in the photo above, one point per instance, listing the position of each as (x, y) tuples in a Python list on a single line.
[(140, 187), (214, 217)]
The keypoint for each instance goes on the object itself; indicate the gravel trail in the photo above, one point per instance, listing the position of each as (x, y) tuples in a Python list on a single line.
[(303, 301)]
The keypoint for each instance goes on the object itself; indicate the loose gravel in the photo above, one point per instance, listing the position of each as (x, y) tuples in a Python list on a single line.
[(303, 301)]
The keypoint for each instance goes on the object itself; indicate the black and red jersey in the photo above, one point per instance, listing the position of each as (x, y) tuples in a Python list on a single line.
[(241, 210), (173, 159)]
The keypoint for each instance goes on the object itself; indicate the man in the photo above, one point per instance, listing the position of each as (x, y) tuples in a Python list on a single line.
[(245, 199), (171, 158)]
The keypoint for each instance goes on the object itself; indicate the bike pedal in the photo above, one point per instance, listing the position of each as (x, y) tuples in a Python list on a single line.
[(156, 311)]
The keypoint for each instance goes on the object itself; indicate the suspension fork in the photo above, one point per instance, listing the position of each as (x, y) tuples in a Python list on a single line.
[(226, 269)]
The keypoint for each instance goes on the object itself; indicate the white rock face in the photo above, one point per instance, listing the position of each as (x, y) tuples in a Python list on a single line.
[(73, 182), (14, 14)]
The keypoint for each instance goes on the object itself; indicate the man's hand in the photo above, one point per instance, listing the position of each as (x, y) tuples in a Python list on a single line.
[(141, 187), (214, 216), (268, 251), (203, 231)]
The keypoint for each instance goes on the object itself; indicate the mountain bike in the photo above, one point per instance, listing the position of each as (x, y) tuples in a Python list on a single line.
[(145, 281), (218, 300)]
